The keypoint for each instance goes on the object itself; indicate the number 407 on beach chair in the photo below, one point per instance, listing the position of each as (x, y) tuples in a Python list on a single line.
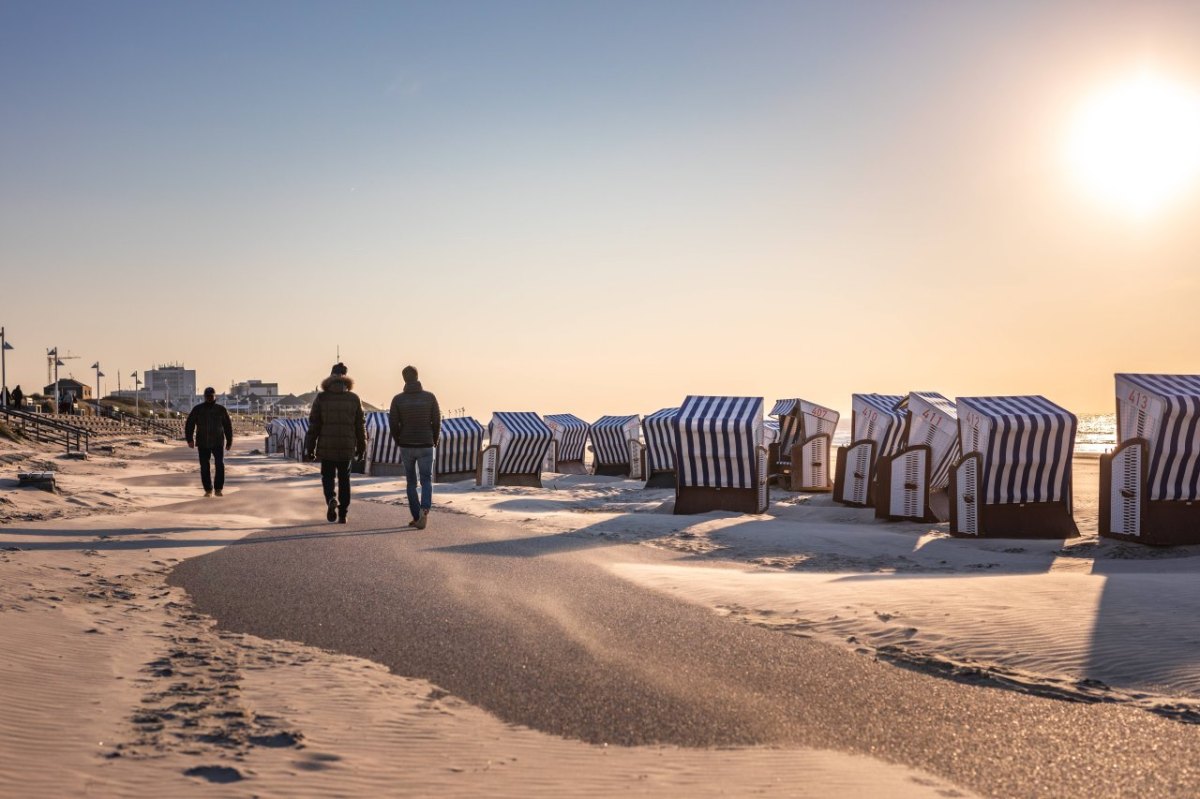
[(801, 459)]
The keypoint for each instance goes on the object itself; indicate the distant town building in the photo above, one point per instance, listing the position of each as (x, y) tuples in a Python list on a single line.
[(171, 383), (254, 388)]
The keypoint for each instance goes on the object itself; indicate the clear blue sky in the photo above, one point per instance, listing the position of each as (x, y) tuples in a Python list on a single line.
[(584, 207)]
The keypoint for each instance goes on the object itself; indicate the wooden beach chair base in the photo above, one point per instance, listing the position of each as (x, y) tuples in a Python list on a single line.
[(1126, 514), (1031, 520), (612, 469), (453, 477), (661, 480), (702, 500), (529, 480), (382, 469), (570, 467)]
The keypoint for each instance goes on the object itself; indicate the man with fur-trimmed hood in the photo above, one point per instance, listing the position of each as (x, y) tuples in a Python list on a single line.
[(337, 435)]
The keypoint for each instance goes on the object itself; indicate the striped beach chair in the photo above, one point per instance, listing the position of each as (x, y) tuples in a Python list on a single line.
[(616, 450), (570, 441), (518, 443), (720, 461), (658, 431), (912, 483), (1149, 486), (293, 438), (383, 456), (1014, 477), (278, 432), (877, 430), (801, 458), (458, 449)]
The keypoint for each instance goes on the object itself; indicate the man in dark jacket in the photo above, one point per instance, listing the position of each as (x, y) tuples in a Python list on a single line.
[(416, 425), (337, 435), (208, 427)]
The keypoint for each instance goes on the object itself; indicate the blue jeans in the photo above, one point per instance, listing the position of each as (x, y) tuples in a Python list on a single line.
[(217, 454), (415, 458)]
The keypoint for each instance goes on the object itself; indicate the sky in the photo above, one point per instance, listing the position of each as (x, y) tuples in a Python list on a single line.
[(592, 207)]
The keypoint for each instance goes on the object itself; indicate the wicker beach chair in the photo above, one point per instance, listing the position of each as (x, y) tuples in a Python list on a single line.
[(518, 443), (1014, 477), (658, 431), (800, 459), (570, 441), (294, 443), (912, 483), (616, 450), (1149, 486), (277, 435), (877, 427), (720, 461), (458, 449), (383, 456)]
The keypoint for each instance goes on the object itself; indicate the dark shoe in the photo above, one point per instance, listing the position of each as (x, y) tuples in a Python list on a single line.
[(342, 516), (217, 492), (421, 520), (332, 512), (207, 493)]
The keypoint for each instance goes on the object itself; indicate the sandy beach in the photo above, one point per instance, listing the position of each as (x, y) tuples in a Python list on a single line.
[(118, 687)]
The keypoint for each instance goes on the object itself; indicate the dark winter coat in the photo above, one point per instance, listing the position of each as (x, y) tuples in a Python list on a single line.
[(336, 427), (209, 427), (415, 418)]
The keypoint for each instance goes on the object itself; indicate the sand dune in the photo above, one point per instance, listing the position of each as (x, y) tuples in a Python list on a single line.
[(118, 688)]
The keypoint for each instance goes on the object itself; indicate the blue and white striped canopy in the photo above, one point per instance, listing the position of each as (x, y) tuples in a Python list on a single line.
[(658, 429), (933, 421), (523, 439), (880, 418), (1026, 444), (716, 441), (380, 446), (571, 433), (611, 436), (294, 443), (1164, 410), (800, 419), (458, 446)]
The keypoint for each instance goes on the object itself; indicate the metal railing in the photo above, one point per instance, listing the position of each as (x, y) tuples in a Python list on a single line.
[(44, 429)]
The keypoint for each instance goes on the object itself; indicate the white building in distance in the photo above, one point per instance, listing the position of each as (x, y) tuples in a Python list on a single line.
[(171, 383), (254, 388)]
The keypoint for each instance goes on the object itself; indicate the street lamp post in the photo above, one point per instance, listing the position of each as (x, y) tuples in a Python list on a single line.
[(137, 384), (4, 348), (57, 391), (99, 375)]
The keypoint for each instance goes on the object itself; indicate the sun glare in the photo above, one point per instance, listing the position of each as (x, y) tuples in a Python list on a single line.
[(1136, 144)]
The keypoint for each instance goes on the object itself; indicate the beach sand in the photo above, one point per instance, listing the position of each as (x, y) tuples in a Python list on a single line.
[(115, 686)]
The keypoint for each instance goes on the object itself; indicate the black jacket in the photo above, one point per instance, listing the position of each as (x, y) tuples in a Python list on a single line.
[(209, 427), (415, 418), (336, 426)]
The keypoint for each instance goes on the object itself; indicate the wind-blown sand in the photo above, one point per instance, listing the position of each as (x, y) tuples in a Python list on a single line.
[(115, 686)]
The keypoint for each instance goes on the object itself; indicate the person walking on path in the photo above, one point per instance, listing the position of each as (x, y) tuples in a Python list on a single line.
[(337, 435), (208, 428), (415, 422)]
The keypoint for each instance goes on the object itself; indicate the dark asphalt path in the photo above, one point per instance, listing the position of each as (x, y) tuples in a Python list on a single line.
[(537, 631)]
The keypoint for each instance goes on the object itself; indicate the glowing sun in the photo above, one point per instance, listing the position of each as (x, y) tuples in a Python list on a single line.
[(1136, 144)]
